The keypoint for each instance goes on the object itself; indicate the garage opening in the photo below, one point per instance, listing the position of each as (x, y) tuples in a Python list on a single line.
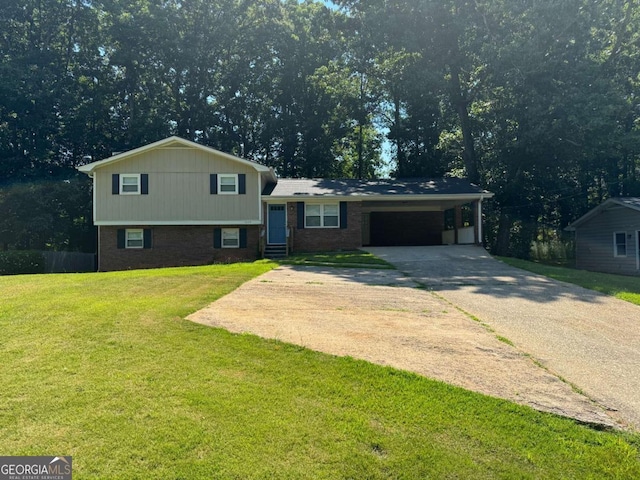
[(412, 227), (406, 228)]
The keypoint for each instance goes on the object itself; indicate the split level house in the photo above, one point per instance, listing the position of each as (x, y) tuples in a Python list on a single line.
[(608, 237), (175, 202)]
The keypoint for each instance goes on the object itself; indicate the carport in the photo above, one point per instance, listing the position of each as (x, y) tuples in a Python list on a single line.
[(442, 221), (329, 214)]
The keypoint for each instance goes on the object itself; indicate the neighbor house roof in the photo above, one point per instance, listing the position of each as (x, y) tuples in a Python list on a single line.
[(417, 187), (173, 141), (617, 202)]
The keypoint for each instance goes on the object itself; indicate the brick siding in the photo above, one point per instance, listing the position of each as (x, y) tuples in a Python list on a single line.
[(173, 246), (327, 239)]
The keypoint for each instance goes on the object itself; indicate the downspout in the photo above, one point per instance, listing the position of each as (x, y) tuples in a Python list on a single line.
[(94, 195), (98, 253)]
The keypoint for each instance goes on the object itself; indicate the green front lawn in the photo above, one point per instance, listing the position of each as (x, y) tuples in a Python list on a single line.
[(620, 286), (353, 258), (103, 367)]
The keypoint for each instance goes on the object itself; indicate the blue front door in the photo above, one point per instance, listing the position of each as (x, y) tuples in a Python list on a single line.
[(277, 228)]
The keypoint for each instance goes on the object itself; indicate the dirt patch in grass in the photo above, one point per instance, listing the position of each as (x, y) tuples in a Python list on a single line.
[(380, 316)]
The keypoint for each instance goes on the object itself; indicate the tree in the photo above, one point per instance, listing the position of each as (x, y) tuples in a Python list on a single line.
[(536, 101), (47, 215)]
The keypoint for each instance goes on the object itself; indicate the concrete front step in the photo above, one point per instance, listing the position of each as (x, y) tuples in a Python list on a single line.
[(275, 251)]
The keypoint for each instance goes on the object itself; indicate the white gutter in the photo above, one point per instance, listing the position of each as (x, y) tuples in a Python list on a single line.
[(379, 198)]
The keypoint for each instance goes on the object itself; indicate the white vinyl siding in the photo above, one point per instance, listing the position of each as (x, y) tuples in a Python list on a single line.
[(181, 193), (322, 215)]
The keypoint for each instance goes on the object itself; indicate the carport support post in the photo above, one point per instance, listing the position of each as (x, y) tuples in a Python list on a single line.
[(457, 223), (479, 221)]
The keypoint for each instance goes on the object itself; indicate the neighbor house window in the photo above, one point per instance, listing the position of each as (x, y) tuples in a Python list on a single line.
[(129, 184), (230, 238), (134, 238), (322, 215), (620, 244), (227, 184)]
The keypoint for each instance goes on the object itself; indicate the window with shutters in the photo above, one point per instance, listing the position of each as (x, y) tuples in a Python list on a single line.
[(324, 215), (228, 184), (230, 238), (130, 184), (134, 238)]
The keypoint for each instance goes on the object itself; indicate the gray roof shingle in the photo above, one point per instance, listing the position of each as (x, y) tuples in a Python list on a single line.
[(633, 202), (303, 187)]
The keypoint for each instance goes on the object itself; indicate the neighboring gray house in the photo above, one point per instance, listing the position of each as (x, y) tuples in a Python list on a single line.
[(608, 237), (176, 202)]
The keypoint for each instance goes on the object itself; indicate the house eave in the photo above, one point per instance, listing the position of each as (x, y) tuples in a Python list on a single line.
[(380, 198), (606, 205), (127, 223), (91, 167)]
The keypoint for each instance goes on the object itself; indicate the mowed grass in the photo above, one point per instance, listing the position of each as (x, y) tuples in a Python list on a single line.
[(620, 286), (351, 258), (104, 367)]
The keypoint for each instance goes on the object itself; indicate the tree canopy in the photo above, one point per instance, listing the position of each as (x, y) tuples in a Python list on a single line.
[(535, 101)]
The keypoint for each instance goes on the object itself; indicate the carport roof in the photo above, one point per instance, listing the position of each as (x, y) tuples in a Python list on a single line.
[(415, 187)]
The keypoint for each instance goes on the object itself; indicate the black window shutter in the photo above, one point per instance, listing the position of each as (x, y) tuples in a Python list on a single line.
[(213, 184), (243, 238), (144, 184), (121, 236), (242, 183), (217, 238), (300, 215), (343, 215), (147, 238), (115, 184)]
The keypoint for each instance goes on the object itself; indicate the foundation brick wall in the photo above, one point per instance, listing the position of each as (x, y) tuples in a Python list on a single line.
[(327, 239), (173, 246)]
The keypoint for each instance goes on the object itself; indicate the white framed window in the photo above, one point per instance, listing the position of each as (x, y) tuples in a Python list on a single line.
[(134, 238), (230, 238), (323, 215), (620, 244), (129, 184), (227, 184)]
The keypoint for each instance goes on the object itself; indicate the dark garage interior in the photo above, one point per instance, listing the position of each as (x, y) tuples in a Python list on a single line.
[(406, 228)]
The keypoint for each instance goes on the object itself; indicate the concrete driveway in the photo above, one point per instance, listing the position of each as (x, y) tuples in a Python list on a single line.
[(588, 339), (382, 317)]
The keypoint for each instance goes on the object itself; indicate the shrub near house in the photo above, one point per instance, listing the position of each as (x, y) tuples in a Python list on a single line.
[(15, 262)]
